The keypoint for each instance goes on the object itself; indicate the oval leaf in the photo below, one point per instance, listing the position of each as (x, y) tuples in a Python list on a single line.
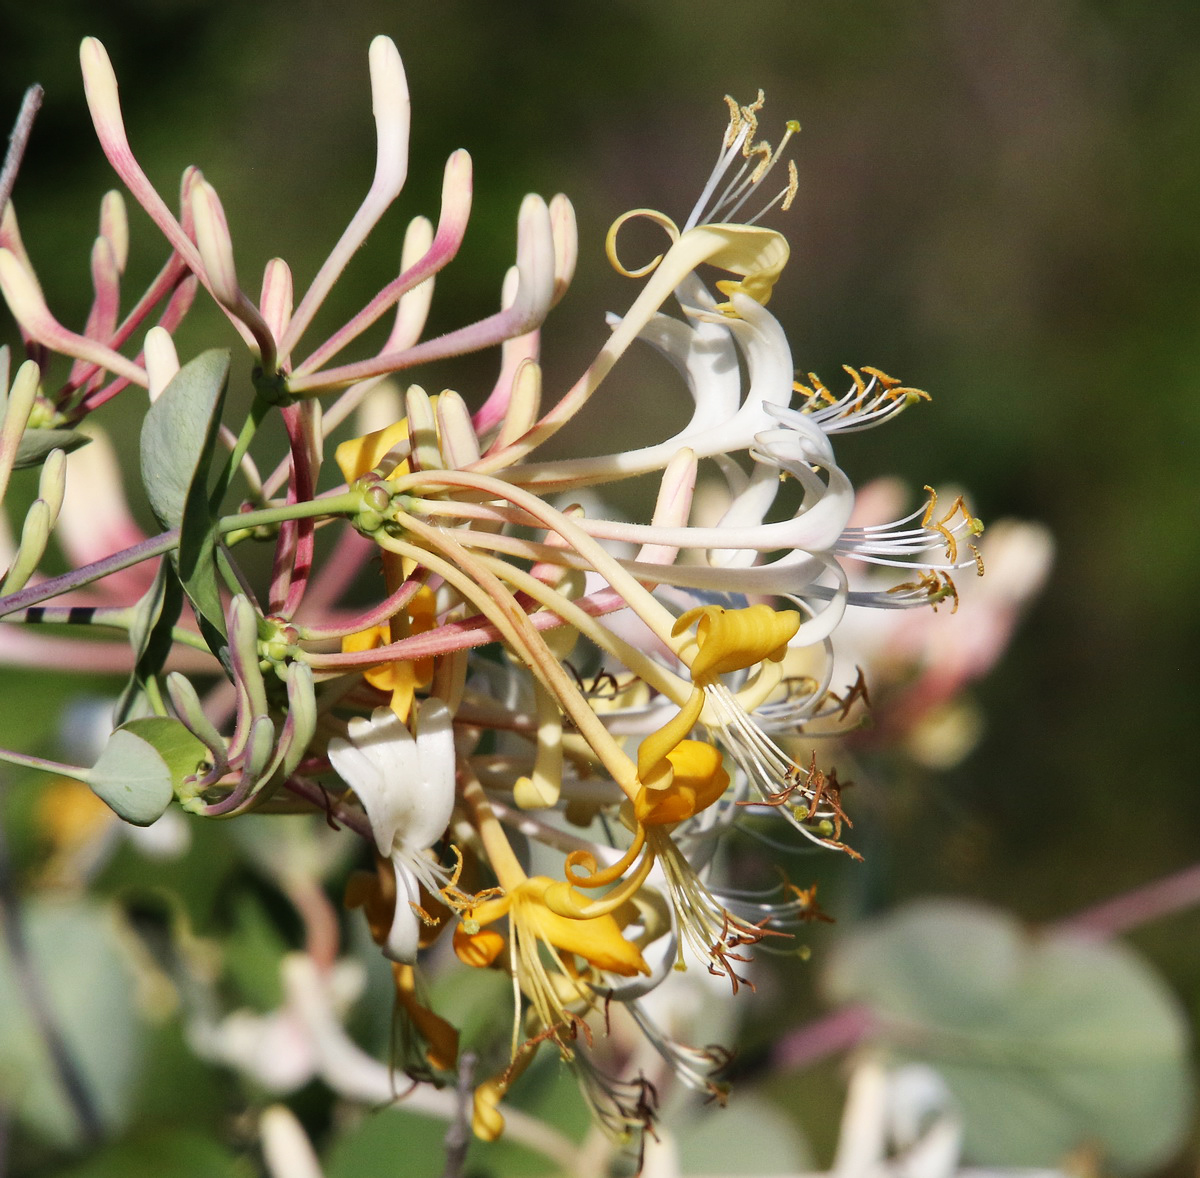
[(36, 444), (181, 751), (178, 431), (142, 765), (1047, 1044), (76, 954)]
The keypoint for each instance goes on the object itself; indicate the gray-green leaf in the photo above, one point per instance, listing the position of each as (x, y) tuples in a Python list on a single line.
[(177, 432), (142, 765), (1048, 1044), (92, 1007), (35, 444), (179, 435)]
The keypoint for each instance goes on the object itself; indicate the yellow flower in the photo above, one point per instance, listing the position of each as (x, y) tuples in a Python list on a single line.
[(697, 780), (400, 678), (734, 639)]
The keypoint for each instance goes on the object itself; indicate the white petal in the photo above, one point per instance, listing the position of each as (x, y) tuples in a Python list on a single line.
[(406, 785), (375, 762), (432, 789), (402, 938)]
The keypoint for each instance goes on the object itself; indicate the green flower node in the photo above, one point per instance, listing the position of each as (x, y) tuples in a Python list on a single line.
[(277, 641)]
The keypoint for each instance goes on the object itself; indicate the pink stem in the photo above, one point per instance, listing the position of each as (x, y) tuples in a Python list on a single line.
[(440, 253), (458, 636), (294, 549), (1123, 913), (174, 279), (474, 338), (823, 1037), (337, 574), (383, 612)]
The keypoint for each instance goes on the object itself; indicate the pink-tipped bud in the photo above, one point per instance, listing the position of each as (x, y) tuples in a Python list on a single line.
[(276, 301), (216, 254), (424, 452), (10, 239), (114, 227), (535, 262), (458, 187), (566, 243), (412, 309), (391, 108), (29, 309), (106, 281), (215, 244), (162, 362), (524, 402), (100, 87), (460, 446)]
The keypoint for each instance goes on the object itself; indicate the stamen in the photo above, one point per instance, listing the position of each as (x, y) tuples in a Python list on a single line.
[(759, 158)]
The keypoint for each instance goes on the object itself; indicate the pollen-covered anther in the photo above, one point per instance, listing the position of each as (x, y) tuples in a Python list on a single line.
[(895, 388), (856, 693), (936, 586), (973, 525), (816, 391)]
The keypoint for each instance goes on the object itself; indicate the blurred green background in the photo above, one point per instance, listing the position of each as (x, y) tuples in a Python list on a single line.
[(998, 203)]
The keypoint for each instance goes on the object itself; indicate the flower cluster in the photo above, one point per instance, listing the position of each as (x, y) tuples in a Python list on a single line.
[(548, 717)]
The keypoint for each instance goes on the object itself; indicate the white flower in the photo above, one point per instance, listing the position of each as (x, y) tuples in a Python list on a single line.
[(406, 786)]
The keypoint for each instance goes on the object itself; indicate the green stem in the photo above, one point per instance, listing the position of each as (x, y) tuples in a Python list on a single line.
[(348, 503), (154, 693), (258, 412), (44, 766), (110, 618)]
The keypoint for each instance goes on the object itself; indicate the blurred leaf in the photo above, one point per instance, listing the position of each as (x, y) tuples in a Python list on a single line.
[(140, 767), (77, 960), (390, 1133), (1048, 1044), (715, 1140), (180, 1154), (36, 444), (179, 435), (252, 954)]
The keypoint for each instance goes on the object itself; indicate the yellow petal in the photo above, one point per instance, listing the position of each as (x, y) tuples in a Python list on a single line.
[(734, 639), (699, 779), (598, 940), (653, 752), (478, 949), (441, 1036), (356, 456)]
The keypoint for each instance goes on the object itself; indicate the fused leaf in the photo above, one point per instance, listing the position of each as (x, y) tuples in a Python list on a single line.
[(142, 765)]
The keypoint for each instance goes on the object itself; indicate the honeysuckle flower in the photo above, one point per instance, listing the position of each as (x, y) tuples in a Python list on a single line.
[(405, 782), (535, 927), (656, 677)]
